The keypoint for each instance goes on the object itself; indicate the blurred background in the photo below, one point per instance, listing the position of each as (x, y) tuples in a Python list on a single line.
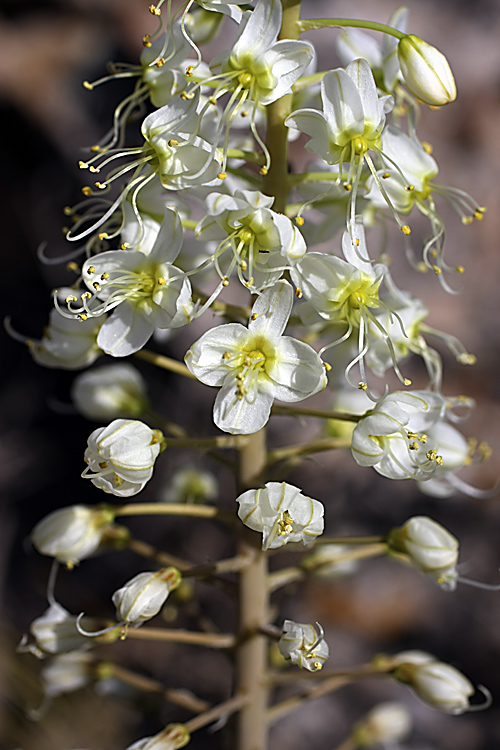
[(46, 116)]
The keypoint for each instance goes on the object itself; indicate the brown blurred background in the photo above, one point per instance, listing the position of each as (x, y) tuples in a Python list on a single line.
[(46, 50)]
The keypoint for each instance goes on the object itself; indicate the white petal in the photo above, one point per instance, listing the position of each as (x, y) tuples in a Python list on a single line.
[(125, 332), (273, 308), (360, 73), (205, 359), (241, 417), (343, 106), (297, 371)]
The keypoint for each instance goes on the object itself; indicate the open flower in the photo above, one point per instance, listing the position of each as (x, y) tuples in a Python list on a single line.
[(282, 514), (121, 456), (255, 365), (301, 645)]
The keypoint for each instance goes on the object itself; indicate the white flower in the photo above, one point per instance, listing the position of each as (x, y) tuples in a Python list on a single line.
[(426, 71), (109, 392), (352, 119), (330, 560), (54, 633), (72, 534), (189, 484), (262, 241), (66, 673), (282, 514), (121, 456), (145, 292), (144, 595), (438, 684), (173, 737), (67, 343), (386, 722), (255, 365), (430, 547), (301, 644)]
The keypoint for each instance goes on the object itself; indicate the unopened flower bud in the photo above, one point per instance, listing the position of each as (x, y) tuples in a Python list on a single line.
[(110, 392), (54, 633), (301, 644), (66, 673), (387, 722), (190, 485), (282, 513), (173, 737), (438, 684), (330, 561), (426, 71), (72, 534), (430, 547), (121, 456), (144, 595)]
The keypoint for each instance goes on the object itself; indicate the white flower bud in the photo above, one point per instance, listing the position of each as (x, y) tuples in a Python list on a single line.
[(330, 561), (173, 737), (386, 722), (426, 71), (66, 673), (301, 644), (54, 633), (144, 595), (190, 485), (430, 547), (72, 534), (110, 392), (121, 456), (282, 513), (438, 684)]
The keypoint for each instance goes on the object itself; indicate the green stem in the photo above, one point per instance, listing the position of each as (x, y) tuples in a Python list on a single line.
[(166, 509), (303, 411), (377, 540), (223, 709), (317, 446), (165, 362), (210, 640), (311, 24)]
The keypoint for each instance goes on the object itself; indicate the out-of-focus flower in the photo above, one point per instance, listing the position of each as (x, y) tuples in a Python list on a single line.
[(72, 534), (386, 722), (110, 392)]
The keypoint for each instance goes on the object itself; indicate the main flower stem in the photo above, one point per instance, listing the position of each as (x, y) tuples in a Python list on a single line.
[(311, 24)]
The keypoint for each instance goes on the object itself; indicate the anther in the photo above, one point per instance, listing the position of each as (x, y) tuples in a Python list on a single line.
[(460, 269), (146, 40), (83, 165), (298, 293), (212, 100), (173, 142), (96, 286), (91, 270), (88, 86), (439, 460), (186, 96), (327, 366), (94, 170), (409, 188), (96, 149), (436, 270), (263, 171), (423, 438), (222, 175), (466, 359), (100, 185), (347, 186), (72, 266), (162, 281), (412, 435), (70, 298), (87, 190), (427, 147), (406, 229), (467, 220), (249, 283), (125, 246), (154, 10), (105, 276), (67, 210), (386, 175), (225, 281), (414, 446), (160, 63), (478, 215), (254, 316), (362, 386), (243, 265), (85, 295), (431, 455), (189, 70), (226, 355), (103, 236), (299, 221), (83, 316), (407, 381)]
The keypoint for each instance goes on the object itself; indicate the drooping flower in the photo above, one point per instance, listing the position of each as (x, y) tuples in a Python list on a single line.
[(54, 633), (301, 645), (429, 547), (173, 737), (110, 392), (387, 722), (143, 596), (145, 292), (72, 534), (120, 457), (282, 514), (255, 365), (66, 673)]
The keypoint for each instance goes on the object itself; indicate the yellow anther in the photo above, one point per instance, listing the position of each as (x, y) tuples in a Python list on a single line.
[(146, 40), (83, 316), (154, 10), (407, 381), (67, 210), (83, 164), (317, 666), (222, 175), (467, 220), (91, 270), (100, 185), (72, 266), (117, 480), (423, 438), (327, 366), (431, 455), (414, 446), (87, 190), (227, 355), (249, 283), (386, 175), (125, 246), (70, 565), (299, 220), (162, 281), (173, 142), (254, 316), (436, 270), (357, 242), (244, 114), (189, 70), (298, 293), (103, 235), (187, 95), (96, 149), (96, 286), (86, 295), (439, 460), (460, 269), (70, 298), (263, 171), (478, 215), (94, 170), (347, 186), (88, 86), (427, 147), (422, 267), (362, 386), (409, 188), (160, 63), (225, 281), (484, 451), (406, 229), (412, 435), (105, 276), (212, 100), (472, 444), (481, 209)]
